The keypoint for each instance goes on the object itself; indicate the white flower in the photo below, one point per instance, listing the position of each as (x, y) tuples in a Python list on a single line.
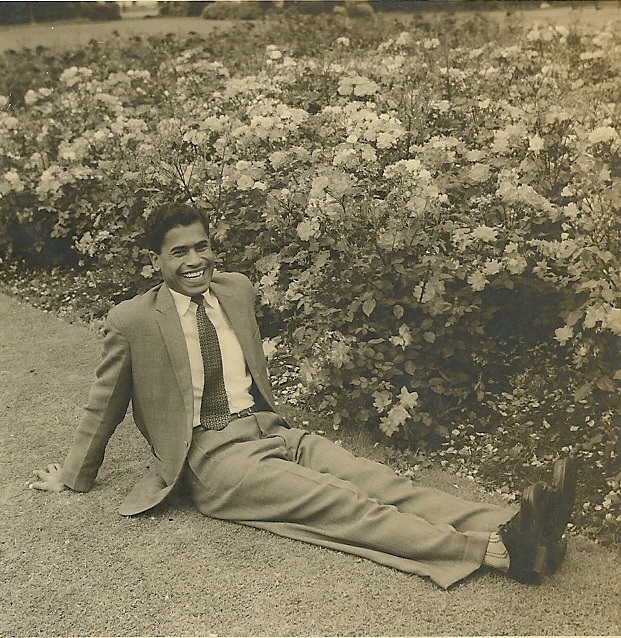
[(478, 281), (13, 183), (72, 75), (478, 173), (360, 86), (431, 43), (533, 35), (612, 320), (403, 39), (603, 134), (562, 335), (485, 233), (245, 182), (272, 52), (595, 315), (536, 144), (307, 229), (270, 347), (30, 97), (407, 398), (492, 267), (381, 400), (9, 121), (441, 105), (511, 247), (516, 265), (397, 416), (386, 140), (404, 339)]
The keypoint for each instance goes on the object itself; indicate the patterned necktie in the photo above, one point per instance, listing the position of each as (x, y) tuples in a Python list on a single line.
[(215, 413)]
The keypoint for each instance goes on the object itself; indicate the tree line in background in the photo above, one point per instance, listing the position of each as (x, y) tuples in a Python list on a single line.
[(26, 12)]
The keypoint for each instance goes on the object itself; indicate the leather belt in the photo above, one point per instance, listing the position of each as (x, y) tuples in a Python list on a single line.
[(234, 416), (240, 415)]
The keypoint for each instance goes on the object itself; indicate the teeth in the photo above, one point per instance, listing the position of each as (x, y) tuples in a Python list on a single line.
[(193, 275)]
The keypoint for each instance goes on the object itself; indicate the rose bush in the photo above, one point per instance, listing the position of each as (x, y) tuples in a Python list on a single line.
[(433, 226)]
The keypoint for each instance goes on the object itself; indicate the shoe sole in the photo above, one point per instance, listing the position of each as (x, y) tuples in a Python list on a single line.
[(536, 566), (564, 485), (556, 556), (564, 492)]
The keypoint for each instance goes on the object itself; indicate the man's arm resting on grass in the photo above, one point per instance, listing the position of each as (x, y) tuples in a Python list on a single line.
[(49, 480), (107, 404)]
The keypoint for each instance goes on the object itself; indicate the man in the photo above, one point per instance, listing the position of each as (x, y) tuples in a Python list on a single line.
[(188, 356)]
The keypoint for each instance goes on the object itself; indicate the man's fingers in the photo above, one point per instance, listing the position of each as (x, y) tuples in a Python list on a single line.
[(47, 486), (48, 480), (51, 469)]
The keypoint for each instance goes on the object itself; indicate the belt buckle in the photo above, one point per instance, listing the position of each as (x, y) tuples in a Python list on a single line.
[(242, 413)]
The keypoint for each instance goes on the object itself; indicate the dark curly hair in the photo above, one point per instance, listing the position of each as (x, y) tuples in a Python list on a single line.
[(168, 216)]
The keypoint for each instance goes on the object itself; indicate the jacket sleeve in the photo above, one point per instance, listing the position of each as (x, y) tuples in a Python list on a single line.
[(107, 405)]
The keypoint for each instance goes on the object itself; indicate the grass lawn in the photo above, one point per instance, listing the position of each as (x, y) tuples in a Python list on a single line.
[(70, 34)]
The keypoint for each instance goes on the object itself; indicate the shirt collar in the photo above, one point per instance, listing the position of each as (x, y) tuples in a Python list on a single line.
[(182, 302)]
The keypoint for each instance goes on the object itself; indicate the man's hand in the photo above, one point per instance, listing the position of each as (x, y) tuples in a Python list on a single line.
[(49, 481)]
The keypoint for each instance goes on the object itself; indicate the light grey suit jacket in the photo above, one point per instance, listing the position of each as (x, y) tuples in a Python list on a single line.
[(145, 361)]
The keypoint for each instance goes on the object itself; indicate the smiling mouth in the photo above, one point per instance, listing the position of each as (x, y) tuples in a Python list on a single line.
[(193, 275)]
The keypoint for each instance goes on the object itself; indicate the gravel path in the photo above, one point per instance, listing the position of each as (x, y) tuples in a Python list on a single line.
[(71, 566)]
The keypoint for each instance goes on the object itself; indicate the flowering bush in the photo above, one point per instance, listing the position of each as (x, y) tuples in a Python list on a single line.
[(429, 223)]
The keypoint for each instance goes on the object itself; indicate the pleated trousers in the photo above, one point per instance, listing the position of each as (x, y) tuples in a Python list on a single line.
[(300, 485)]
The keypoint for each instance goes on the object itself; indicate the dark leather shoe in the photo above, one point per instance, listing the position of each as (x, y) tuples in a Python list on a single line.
[(562, 495), (556, 556), (523, 536)]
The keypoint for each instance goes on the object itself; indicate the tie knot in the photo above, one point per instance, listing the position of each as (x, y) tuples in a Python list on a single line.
[(199, 300)]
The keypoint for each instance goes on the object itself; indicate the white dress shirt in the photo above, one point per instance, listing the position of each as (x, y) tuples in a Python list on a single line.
[(237, 379)]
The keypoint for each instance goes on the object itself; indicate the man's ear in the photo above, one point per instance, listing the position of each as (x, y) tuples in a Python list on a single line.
[(155, 260)]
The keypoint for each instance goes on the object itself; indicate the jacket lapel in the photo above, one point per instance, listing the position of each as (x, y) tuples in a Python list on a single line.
[(233, 306), (168, 321), (242, 318)]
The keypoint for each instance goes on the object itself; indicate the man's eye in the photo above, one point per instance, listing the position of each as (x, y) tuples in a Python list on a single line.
[(177, 253), (202, 247)]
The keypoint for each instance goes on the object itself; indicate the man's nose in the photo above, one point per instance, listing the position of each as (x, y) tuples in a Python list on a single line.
[(193, 258)]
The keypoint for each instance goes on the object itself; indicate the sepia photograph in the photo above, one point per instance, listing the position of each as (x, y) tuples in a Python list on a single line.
[(310, 318)]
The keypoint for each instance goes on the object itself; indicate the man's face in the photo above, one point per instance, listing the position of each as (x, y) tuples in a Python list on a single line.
[(186, 260)]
